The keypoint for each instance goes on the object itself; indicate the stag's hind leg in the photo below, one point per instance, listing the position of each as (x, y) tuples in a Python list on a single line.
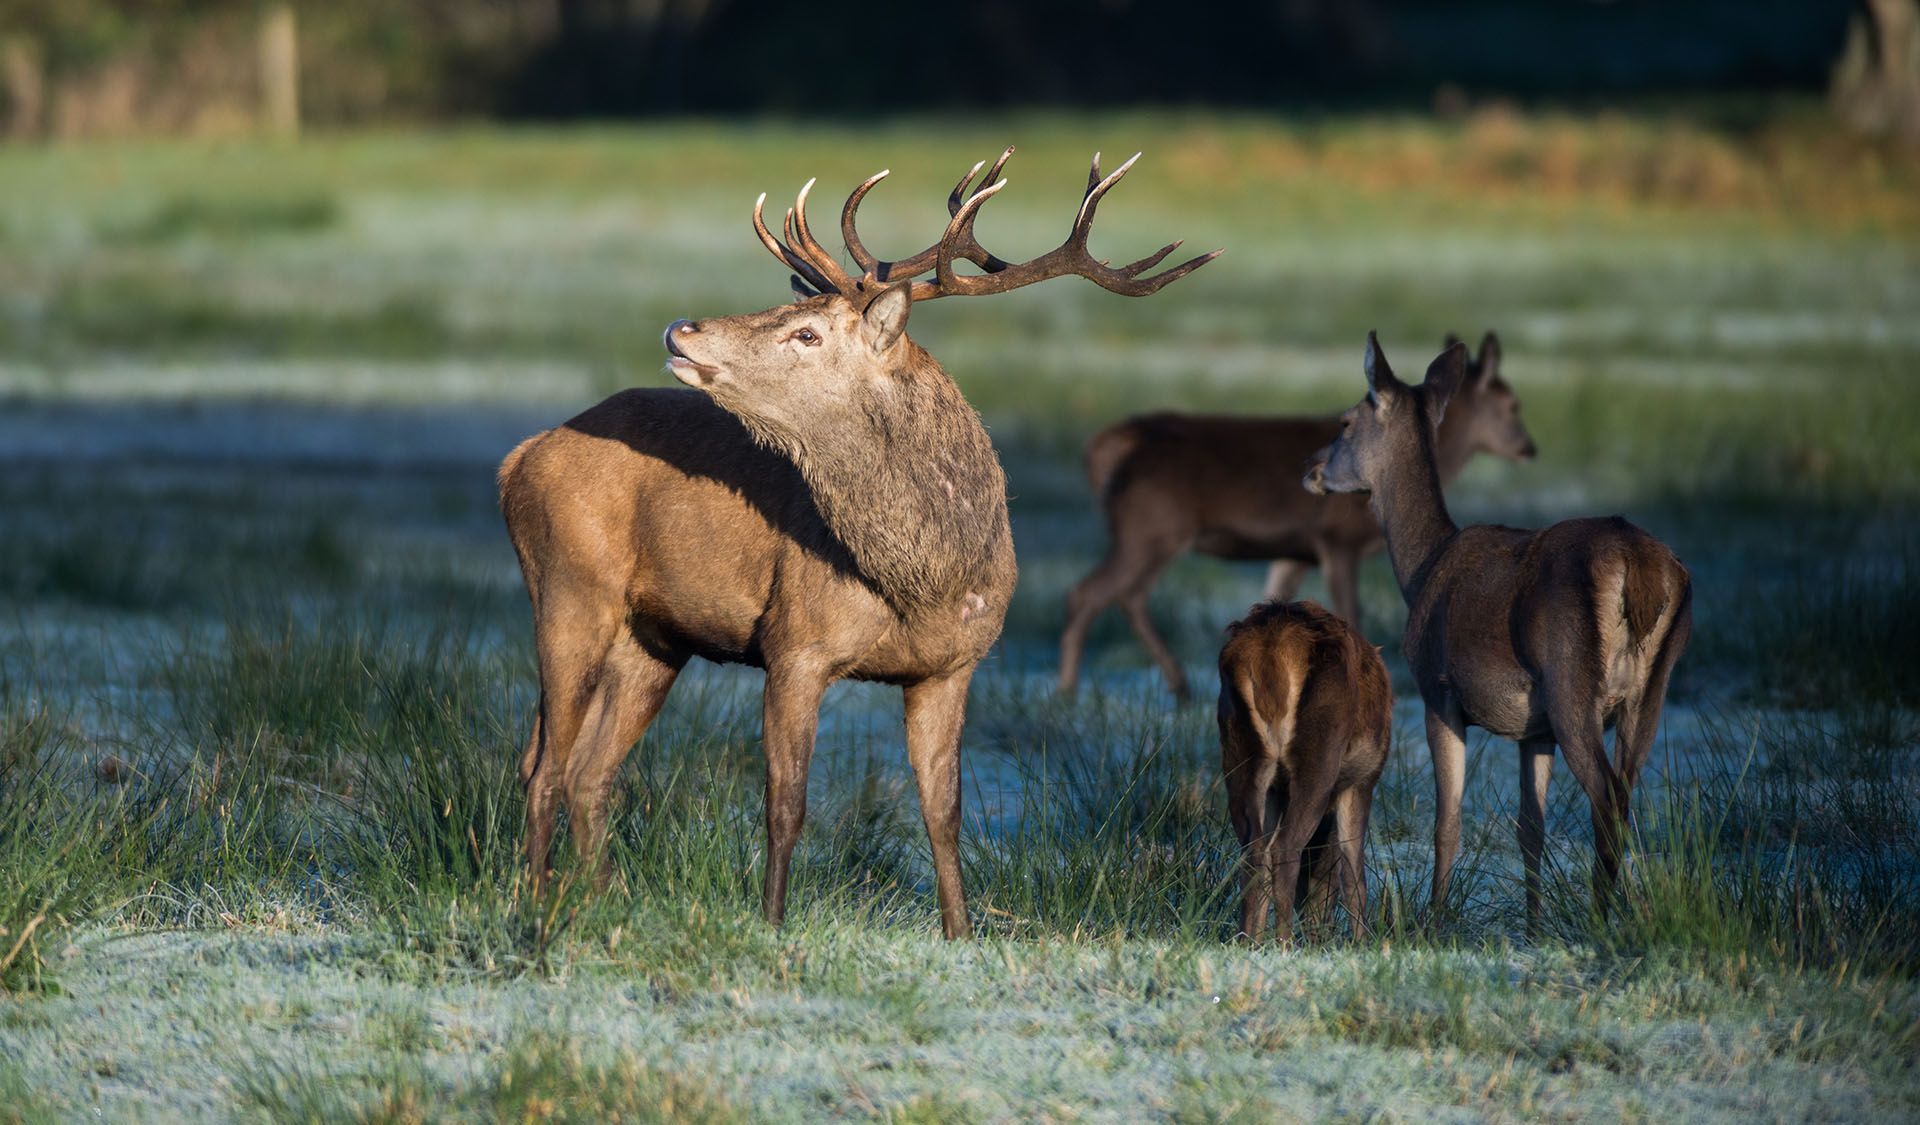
[(633, 685), (572, 635)]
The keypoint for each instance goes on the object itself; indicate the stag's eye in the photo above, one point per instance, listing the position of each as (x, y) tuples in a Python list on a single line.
[(806, 336)]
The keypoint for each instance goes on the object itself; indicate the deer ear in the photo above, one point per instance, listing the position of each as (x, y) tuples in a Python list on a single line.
[(1488, 365), (1452, 339), (1444, 377), (801, 291), (1380, 378), (885, 320)]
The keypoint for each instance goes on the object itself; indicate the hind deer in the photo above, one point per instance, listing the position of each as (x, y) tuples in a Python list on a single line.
[(1230, 487), (824, 505), (1306, 721), (1544, 637)]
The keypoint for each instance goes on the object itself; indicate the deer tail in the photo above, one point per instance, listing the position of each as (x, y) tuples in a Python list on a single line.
[(1106, 451)]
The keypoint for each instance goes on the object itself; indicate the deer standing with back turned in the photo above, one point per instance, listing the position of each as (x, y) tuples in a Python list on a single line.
[(1306, 722), (1229, 486), (1544, 637), (824, 505)]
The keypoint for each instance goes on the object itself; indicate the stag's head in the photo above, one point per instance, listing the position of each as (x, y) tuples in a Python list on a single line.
[(1395, 424), (1484, 414), (844, 337)]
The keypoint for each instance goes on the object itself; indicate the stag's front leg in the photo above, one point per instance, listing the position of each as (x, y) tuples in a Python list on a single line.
[(936, 711), (791, 714), (1447, 743)]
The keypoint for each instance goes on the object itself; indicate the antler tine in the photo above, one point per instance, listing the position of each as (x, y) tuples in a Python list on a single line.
[(784, 253), (861, 256), (884, 271), (1097, 187), (1070, 257), (959, 193), (960, 232), (817, 255)]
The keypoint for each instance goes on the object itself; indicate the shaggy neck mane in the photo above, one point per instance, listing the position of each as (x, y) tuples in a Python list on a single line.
[(907, 480)]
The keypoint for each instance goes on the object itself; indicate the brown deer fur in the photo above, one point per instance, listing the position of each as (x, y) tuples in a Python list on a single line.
[(1306, 721), (825, 505), (1230, 487), (1544, 637)]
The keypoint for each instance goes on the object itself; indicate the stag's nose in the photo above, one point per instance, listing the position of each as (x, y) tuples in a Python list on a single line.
[(1530, 451), (670, 338), (1316, 479)]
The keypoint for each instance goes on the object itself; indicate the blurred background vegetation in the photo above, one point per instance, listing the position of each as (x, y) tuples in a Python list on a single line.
[(79, 68)]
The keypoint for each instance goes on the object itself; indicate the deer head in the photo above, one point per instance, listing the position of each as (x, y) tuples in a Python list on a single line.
[(1484, 415), (844, 338), (1395, 424)]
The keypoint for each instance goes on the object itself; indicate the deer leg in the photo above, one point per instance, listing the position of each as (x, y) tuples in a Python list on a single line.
[(1249, 784), (936, 711), (1089, 597), (542, 804), (1351, 810), (633, 685), (1319, 873), (1142, 622), (1582, 741), (1307, 796), (1342, 567), (572, 640), (1284, 578), (1447, 743), (1536, 771), (791, 715)]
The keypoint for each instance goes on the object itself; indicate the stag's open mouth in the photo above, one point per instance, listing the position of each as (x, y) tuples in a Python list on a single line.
[(684, 367)]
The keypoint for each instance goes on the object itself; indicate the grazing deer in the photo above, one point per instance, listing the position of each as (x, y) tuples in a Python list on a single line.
[(1545, 637), (1230, 487), (825, 506), (1306, 720)]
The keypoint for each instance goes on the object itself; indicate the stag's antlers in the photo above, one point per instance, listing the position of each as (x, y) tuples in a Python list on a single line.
[(816, 271)]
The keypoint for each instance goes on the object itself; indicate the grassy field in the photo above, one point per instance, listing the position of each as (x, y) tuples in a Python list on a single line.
[(265, 662)]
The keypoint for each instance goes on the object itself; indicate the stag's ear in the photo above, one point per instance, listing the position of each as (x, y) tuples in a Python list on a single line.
[(1380, 378), (1488, 365), (1444, 377), (885, 320), (801, 290)]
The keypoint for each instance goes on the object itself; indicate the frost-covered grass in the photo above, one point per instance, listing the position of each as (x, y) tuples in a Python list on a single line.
[(265, 666)]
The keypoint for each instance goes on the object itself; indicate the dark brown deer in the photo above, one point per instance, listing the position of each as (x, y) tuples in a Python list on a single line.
[(825, 506), (1306, 721), (1230, 487), (1545, 637)]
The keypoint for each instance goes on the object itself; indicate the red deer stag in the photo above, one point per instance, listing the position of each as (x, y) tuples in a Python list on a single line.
[(825, 506), (1545, 637), (1230, 487), (1306, 720)]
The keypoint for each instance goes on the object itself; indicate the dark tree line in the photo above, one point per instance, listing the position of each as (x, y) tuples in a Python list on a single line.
[(163, 63)]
